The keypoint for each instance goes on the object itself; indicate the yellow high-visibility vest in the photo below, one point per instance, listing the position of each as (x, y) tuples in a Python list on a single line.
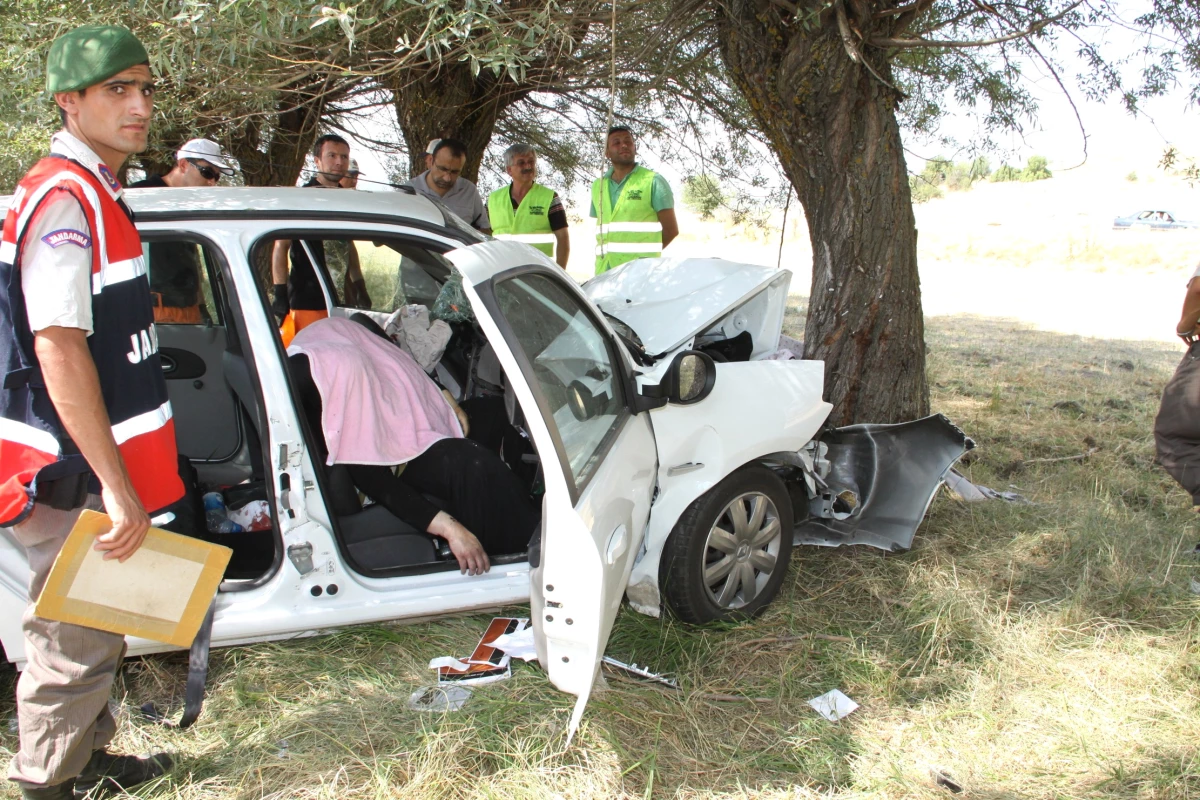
[(529, 222), (631, 229)]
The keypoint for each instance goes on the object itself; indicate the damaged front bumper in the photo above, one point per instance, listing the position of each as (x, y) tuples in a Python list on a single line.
[(874, 483)]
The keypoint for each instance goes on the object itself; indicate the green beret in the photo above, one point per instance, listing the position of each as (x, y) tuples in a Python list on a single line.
[(90, 54)]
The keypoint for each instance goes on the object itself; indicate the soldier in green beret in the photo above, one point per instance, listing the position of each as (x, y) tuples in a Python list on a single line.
[(73, 291)]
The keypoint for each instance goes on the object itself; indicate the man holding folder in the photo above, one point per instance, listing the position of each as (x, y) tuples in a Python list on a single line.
[(84, 416)]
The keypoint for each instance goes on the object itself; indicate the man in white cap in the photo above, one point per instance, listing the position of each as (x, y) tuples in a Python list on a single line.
[(198, 163), (174, 267)]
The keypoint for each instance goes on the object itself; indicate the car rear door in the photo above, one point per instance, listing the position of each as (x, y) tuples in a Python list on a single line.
[(574, 385), (192, 339)]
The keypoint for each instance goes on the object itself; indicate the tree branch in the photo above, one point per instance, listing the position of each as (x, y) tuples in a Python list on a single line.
[(844, 30), (852, 48), (910, 14), (919, 42), (1066, 92)]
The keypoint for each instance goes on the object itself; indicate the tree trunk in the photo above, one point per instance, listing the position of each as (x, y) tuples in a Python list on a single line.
[(452, 104), (833, 127), (273, 153)]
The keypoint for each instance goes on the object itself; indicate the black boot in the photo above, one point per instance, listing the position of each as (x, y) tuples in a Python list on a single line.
[(59, 791), (107, 773)]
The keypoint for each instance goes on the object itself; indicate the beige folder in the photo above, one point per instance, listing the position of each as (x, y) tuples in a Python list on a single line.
[(161, 592)]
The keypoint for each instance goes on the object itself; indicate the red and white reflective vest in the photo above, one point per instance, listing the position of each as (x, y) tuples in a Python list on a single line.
[(124, 344)]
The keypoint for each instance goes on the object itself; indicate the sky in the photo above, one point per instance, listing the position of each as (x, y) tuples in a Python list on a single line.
[(1112, 133)]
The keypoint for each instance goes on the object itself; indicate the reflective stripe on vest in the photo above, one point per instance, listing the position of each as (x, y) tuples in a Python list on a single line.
[(529, 222), (528, 238), (630, 229), (123, 345), (636, 250)]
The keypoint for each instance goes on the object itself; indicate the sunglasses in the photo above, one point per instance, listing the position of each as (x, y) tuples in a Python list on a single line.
[(206, 172)]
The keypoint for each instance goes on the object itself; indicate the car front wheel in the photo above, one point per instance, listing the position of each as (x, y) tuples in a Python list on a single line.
[(729, 551)]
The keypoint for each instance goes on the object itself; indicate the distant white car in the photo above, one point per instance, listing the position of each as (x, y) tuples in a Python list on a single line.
[(1153, 220), (679, 463)]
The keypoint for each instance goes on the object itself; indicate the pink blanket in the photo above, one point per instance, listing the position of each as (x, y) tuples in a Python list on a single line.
[(377, 406)]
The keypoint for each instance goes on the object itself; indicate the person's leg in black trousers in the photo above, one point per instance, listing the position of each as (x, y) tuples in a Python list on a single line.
[(489, 426), (479, 490)]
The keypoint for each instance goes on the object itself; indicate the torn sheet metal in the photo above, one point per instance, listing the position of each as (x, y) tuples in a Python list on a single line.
[(443, 697), (968, 492), (641, 672), (881, 481)]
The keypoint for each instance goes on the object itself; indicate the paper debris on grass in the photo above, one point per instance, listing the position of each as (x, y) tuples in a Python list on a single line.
[(517, 645), (444, 697), (833, 705), (487, 663)]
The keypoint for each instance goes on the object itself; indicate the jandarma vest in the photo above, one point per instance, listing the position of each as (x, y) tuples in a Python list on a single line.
[(631, 230), (529, 222), (33, 445)]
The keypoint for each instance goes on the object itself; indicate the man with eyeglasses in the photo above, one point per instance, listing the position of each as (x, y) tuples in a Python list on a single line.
[(198, 163), (443, 181), (175, 267)]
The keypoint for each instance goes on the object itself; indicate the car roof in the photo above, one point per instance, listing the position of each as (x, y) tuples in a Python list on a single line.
[(254, 202), (282, 201)]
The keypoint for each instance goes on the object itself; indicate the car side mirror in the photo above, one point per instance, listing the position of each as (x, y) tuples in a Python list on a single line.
[(588, 397), (691, 378), (688, 380)]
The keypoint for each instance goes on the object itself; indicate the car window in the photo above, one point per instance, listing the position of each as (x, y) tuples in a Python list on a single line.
[(378, 274), (181, 276), (572, 365)]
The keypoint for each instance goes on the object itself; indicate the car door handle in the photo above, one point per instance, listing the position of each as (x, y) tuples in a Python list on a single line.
[(618, 543), (179, 364)]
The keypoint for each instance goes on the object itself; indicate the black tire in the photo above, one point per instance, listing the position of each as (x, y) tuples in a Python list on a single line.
[(689, 550)]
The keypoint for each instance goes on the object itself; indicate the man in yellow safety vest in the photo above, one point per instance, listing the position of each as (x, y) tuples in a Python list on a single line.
[(526, 211), (633, 207)]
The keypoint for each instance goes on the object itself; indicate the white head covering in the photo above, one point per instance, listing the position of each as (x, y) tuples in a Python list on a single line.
[(206, 150)]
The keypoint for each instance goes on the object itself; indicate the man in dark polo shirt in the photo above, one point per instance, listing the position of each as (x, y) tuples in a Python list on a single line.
[(298, 298)]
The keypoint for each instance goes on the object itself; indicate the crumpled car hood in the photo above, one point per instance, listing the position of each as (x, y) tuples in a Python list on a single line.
[(667, 301)]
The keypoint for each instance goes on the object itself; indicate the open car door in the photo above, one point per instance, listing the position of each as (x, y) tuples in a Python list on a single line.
[(574, 384)]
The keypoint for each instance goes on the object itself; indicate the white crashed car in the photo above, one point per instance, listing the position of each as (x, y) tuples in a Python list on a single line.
[(679, 463)]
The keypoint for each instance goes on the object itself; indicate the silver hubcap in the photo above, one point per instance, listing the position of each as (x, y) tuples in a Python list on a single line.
[(742, 549)]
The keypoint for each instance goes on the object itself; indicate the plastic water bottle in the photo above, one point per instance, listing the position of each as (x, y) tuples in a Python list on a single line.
[(215, 515)]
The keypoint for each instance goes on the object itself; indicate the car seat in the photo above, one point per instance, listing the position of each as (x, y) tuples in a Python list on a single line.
[(374, 539)]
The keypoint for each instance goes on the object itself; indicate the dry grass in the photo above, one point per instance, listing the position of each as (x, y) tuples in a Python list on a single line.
[(1044, 650)]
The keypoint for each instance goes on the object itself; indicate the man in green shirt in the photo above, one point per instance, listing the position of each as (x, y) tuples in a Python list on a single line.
[(633, 207)]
